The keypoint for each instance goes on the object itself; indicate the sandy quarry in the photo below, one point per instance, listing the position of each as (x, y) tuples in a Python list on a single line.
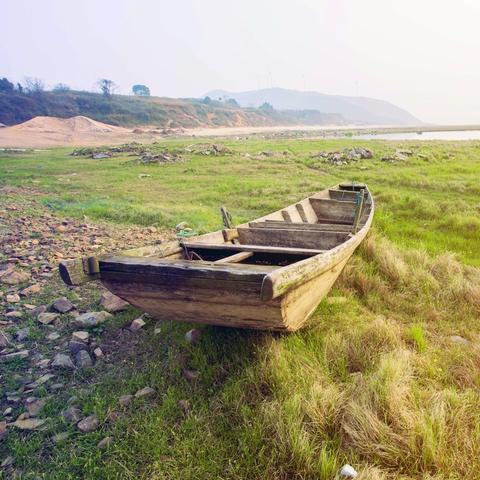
[(77, 131)]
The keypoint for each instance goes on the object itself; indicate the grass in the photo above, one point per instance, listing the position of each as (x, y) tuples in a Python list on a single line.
[(374, 380)]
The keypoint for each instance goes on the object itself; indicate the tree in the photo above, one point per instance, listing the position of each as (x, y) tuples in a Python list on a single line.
[(232, 102), (107, 86), (34, 85), (61, 87), (207, 100), (141, 90), (6, 85), (266, 107)]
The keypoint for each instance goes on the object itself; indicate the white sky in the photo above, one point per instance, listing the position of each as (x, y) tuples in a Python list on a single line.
[(422, 55)]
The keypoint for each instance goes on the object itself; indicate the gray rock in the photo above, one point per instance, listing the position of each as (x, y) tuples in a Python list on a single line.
[(137, 324), (98, 352), (458, 340), (92, 319), (88, 424), (145, 392), (4, 339), (22, 334), (28, 423), (125, 400), (62, 361), (38, 310), (14, 314), (53, 336), (47, 318), (14, 278), (193, 336), (83, 359), (19, 354), (62, 305), (111, 303), (8, 462), (76, 347), (80, 336), (347, 471), (12, 298), (105, 443), (35, 405), (72, 414)]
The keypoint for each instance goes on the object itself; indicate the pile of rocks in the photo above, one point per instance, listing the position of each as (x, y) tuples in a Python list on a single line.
[(345, 156), (208, 149), (400, 155), (162, 157)]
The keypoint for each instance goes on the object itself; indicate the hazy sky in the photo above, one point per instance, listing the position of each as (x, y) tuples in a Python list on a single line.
[(422, 55)]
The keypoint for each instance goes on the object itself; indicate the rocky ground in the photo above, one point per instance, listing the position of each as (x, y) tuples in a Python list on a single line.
[(51, 334)]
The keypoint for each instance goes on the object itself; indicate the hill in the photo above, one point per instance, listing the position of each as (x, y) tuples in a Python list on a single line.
[(128, 111), (356, 109)]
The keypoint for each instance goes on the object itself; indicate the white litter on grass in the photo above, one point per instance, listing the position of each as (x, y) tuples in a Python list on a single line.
[(347, 471)]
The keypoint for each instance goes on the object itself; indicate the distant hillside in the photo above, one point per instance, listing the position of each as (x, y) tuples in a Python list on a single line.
[(356, 109), (124, 110)]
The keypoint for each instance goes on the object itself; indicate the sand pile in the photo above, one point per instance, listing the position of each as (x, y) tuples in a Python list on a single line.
[(54, 131)]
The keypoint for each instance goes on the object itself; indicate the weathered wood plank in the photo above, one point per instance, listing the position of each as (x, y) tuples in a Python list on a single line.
[(237, 257), (301, 212), (286, 216), (333, 210), (253, 248), (279, 237), (321, 227)]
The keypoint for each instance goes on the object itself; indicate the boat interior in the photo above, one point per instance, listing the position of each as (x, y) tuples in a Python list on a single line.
[(312, 226)]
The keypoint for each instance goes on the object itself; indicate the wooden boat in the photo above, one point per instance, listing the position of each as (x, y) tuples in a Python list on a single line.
[(268, 274)]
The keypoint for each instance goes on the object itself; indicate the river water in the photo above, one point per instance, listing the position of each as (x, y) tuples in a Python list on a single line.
[(446, 135)]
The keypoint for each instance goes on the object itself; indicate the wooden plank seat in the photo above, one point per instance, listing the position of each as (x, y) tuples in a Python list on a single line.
[(321, 227)]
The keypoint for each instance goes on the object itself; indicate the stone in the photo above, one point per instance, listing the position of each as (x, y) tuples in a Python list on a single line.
[(458, 340), (137, 324), (43, 363), (38, 310), (92, 319), (193, 336), (347, 471), (47, 318), (144, 392), (35, 405), (28, 424), (62, 361), (8, 462), (22, 334), (111, 303), (105, 443), (12, 298), (60, 229), (8, 411), (80, 336), (60, 437), (125, 400), (15, 277), (53, 336), (88, 424), (14, 314), (19, 354), (191, 375), (98, 352), (76, 347), (62, 305), (31, 290), (72, 414), (3, 429), (83, 359), (4, 339)]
